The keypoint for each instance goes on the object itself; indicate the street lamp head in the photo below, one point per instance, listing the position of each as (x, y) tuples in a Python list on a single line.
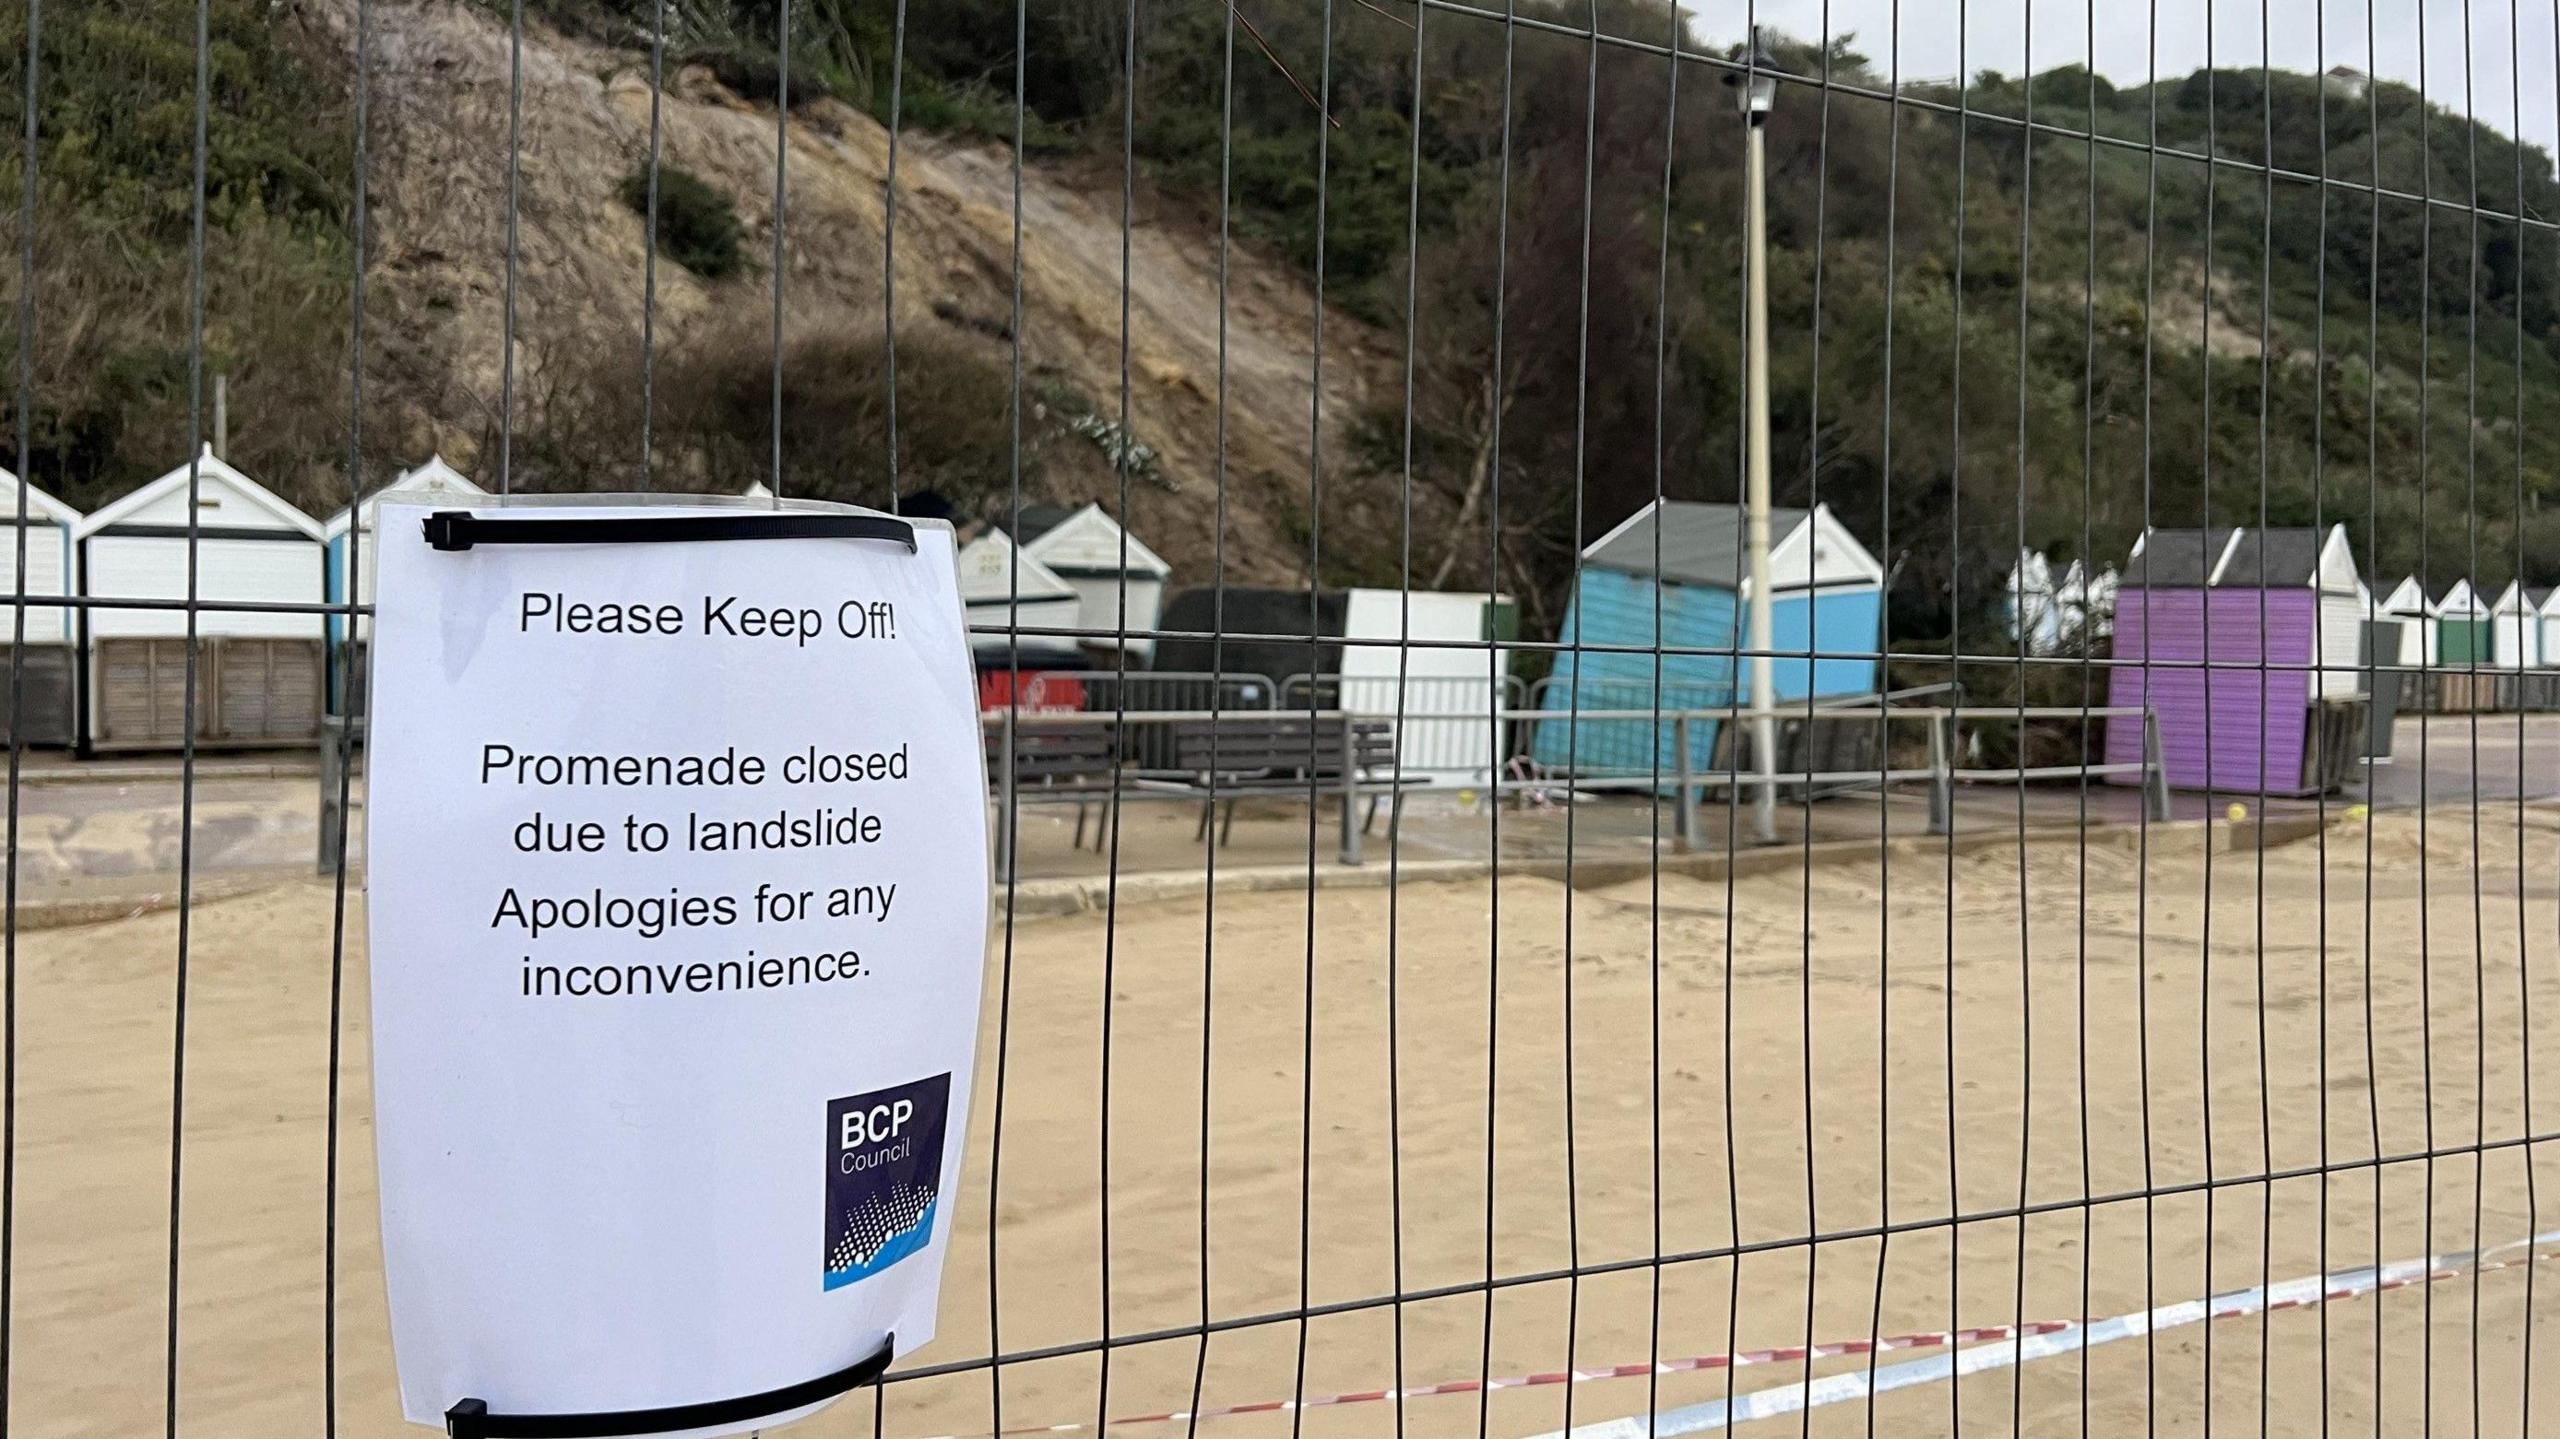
[(1755, 90)]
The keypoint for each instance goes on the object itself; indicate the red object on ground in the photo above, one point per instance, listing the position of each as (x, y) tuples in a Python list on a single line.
[(1031, 691)]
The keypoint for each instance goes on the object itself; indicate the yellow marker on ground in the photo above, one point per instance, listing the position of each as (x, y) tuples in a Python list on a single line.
[(2236, 813)]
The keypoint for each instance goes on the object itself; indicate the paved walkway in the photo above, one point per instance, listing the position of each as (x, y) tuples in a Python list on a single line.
[(119, 828)]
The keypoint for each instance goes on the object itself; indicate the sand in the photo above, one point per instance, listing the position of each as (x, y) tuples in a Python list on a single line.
[(1812, 1039)]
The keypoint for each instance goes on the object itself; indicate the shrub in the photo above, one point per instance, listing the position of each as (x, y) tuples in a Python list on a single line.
[(697, 226), (715, 389)]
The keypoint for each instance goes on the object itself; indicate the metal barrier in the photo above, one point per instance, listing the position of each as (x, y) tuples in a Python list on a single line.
[(1110, 691), (1155, 691), (1347, 786), (1126, 1099), (1684, 781), (1447, 726), (340, 737), (2481, 691), (1687, 781)]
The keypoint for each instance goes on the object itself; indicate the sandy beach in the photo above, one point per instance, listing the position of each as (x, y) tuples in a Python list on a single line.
[(1860, 1050)]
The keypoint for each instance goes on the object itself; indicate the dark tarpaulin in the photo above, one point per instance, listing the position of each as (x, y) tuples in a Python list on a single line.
[(1250, 612)]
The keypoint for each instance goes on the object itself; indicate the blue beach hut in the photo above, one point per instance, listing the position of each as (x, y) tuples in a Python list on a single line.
[(1684, 561)]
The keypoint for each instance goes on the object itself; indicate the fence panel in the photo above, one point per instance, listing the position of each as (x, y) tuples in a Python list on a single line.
[(1896, 1076)]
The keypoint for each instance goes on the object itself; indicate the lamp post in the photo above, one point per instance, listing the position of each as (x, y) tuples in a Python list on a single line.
[(1755, 90)]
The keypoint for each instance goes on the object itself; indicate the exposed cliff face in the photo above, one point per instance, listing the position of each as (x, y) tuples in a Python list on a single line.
[(438, 277)]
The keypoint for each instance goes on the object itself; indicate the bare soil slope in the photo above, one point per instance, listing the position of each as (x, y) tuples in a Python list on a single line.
[(440, 141)]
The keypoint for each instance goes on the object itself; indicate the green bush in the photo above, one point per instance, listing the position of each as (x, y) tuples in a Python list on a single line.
[(697, 226), (115, 161)]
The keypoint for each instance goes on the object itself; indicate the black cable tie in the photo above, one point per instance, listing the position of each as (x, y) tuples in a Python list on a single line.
[(460, 529), (471, 1418)]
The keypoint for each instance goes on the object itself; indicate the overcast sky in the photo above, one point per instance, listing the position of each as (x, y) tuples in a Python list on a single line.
[(2504, 48)]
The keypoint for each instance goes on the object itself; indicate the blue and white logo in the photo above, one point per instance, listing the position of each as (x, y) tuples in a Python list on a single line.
[(884, 1168)]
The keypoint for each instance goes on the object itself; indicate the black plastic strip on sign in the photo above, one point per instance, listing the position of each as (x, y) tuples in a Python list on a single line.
[(460, 529), (471, 1419)]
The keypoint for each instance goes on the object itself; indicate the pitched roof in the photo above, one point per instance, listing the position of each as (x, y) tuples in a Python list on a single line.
[(1702, 544), (41, 507), (994, 571), (211, 479), (1084, 540), (2176, 559), (2405, 598), (435, 477), (2272, 559)]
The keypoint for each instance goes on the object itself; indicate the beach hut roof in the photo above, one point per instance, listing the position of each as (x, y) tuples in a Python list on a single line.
[(2514, 600), (2271, 559), (435, 477), (2177, 559), (1086, 541), (2276, 557), (991, 569), (2292, 557), (2407, 598), (41, 507), (214, 481), (1702, 544), (2458, 596)]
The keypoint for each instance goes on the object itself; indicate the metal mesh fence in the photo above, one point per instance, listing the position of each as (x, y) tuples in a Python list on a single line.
[(1901, 1056)]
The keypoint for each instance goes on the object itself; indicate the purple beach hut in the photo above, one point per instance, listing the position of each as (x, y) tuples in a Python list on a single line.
[(2243, 643)]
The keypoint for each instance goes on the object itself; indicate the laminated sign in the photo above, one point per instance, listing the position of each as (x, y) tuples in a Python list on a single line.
[(678, 897)]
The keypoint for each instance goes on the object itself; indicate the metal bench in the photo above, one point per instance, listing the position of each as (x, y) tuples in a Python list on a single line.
[(1285, 756)]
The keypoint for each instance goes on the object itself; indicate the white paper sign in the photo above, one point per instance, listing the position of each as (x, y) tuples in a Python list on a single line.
[(678, 893)]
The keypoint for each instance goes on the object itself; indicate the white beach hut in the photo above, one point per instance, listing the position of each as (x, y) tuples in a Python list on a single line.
[(1102, 561), (350, 537), (258, 672), (2408, 606), (47, 664), (2462, 627), (2034, 602), (2089, 602), (1004, 589), (2345, 604), (2515, 627)]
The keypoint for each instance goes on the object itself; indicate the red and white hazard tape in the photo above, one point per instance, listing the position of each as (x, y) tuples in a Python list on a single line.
[(1784, 1354), (1870, 1381), (1788, 1354)]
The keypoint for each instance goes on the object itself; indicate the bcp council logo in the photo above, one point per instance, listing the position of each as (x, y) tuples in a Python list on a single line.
[(884, 1165)]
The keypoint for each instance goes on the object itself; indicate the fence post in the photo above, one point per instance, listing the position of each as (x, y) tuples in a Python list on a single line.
[(1350, 792), (1942, 784), (1688, 821), (1004, 800), (337, 735), (2155, 773)]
